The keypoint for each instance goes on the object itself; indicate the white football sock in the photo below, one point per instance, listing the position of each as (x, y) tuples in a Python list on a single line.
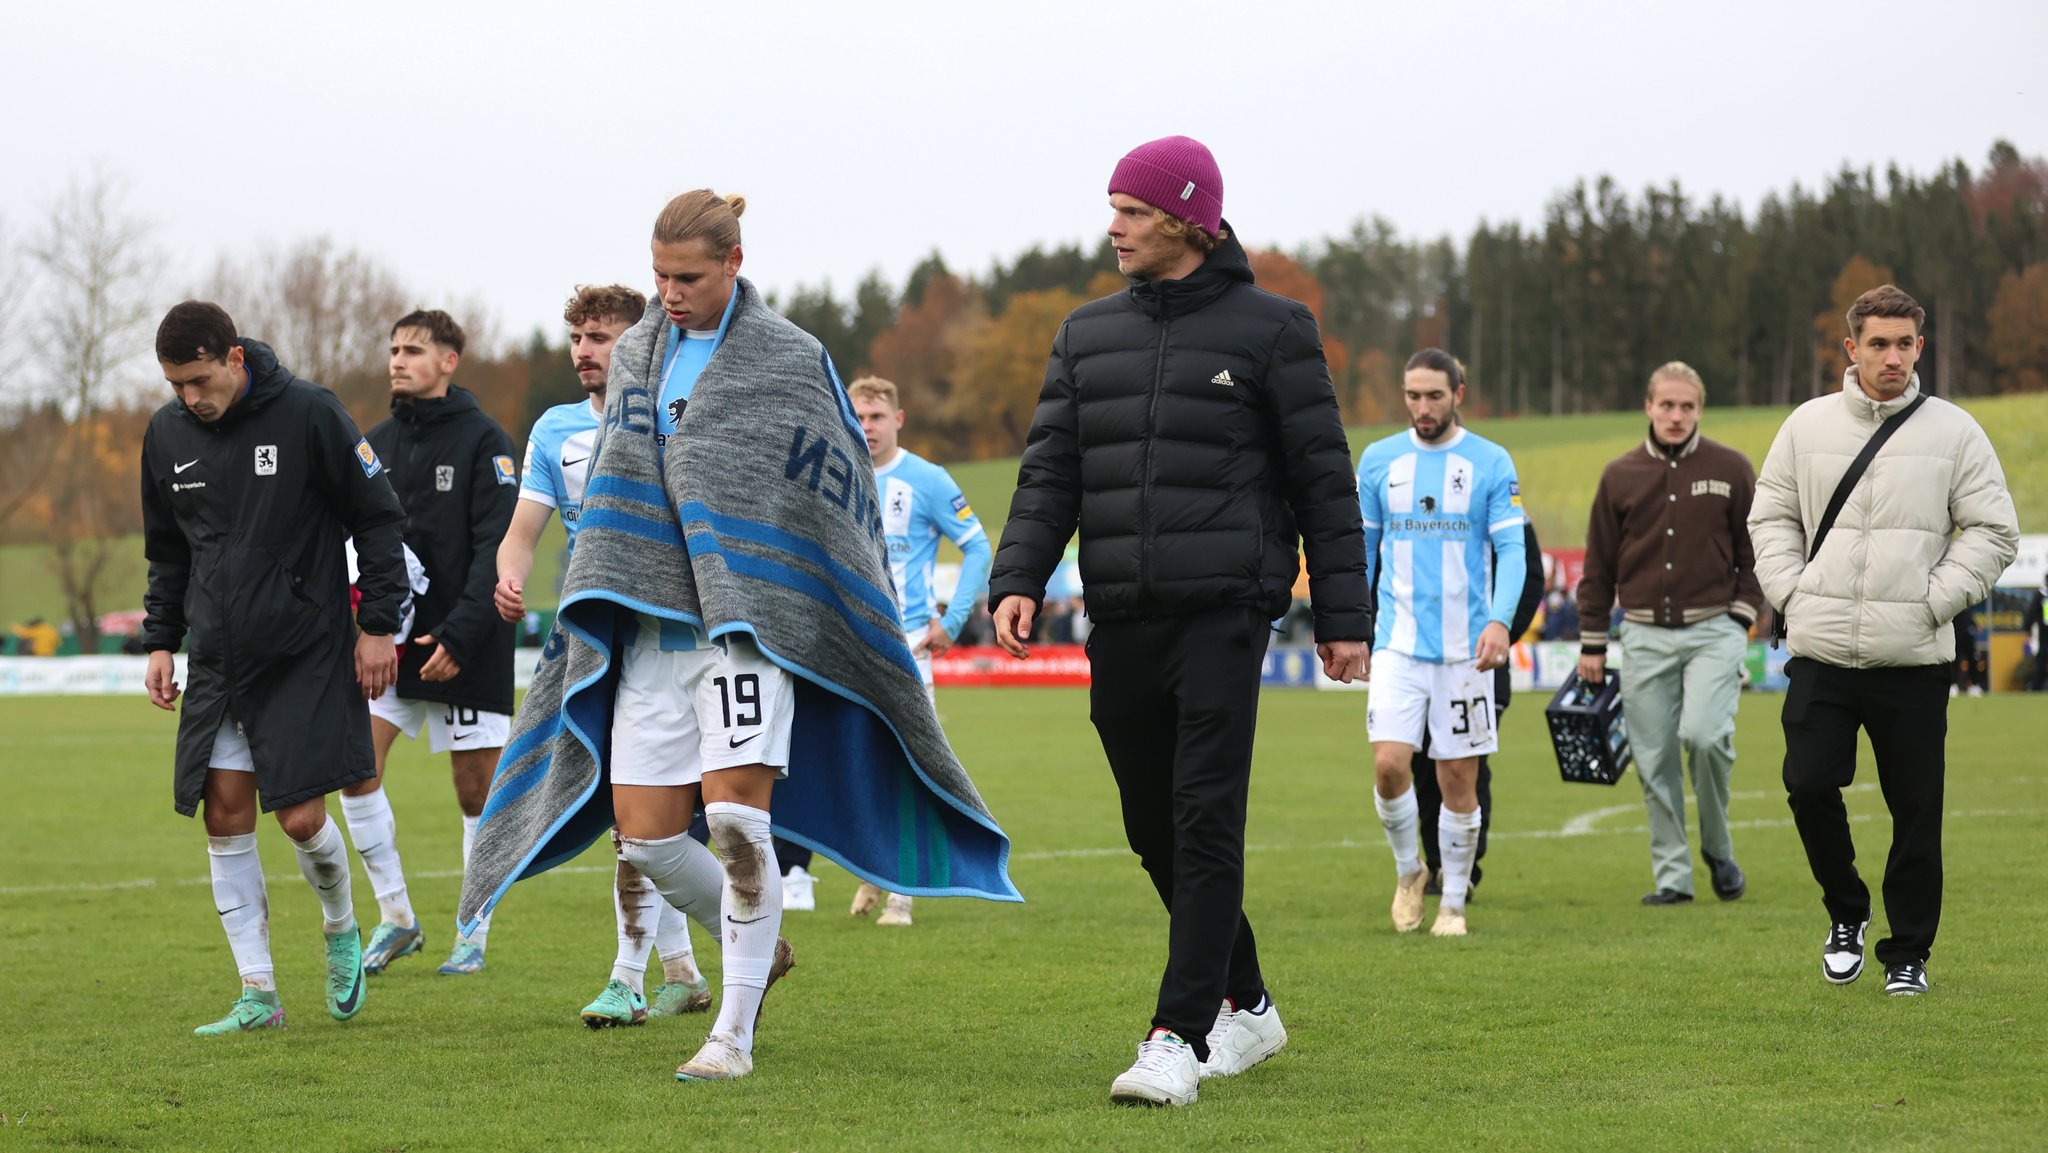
[(374, 829), (672, 941), (483, 927), (1457, 834), (637, 904), (683, 871), (323, 861), (752, 909), (1399, 817), (243, 902)]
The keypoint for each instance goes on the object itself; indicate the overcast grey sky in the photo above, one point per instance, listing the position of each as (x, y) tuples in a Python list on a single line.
[(506, 151)]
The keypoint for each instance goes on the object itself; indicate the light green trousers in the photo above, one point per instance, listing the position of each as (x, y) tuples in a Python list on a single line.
[(1679, 691)]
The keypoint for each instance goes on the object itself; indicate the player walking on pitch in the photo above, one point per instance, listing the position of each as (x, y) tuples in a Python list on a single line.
[(451, 466), (1433, 498), (558, 453), (251, 481), (920, 504)]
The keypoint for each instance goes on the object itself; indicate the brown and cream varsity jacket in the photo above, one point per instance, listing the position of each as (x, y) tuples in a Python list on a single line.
[(1669, 537)]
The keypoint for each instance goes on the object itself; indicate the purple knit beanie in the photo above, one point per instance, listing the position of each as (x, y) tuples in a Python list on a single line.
[(1175, 174)]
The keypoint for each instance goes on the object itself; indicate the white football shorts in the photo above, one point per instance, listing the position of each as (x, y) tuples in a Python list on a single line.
[(231, 748), (1455, 701), (682, 714), (448, 726), (914, 638)]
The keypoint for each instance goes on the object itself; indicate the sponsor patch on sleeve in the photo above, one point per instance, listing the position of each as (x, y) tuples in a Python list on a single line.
[(367, 457), (1515, 493), (960, 510), (503, 465)]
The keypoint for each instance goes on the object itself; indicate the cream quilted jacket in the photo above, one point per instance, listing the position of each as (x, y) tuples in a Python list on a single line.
[(1922, 537)]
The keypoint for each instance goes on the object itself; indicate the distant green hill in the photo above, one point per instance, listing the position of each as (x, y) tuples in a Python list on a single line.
[(1559, 460)]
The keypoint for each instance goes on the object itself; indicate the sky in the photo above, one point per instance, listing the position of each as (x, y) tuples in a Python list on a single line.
[(503, 152)]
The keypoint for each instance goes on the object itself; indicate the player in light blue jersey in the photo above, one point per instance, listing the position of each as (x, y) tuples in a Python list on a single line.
[(1433, 499), (558, 456), (920, 504)]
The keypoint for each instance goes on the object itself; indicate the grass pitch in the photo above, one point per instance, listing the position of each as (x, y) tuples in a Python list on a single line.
[(1573, 1018)]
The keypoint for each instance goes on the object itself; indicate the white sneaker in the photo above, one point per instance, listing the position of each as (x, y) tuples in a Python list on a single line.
[(1408, 900), (799, 891), (1841, 958), (718, 1060), (1166, 1073), (896, 911), (1449, 923), (1241, 1039)]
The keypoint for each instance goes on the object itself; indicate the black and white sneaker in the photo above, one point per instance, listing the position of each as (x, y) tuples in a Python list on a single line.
[(1906, 979), (1841, 959)]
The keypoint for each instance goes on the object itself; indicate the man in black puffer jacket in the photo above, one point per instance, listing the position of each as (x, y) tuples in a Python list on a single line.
[(453, 470), (1188, 429)]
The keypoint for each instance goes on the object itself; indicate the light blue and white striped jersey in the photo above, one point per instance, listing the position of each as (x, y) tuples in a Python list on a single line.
[(1430, 511), (558, 460), (921, 503)]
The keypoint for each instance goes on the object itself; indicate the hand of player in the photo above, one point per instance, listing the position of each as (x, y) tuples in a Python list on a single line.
[(1493, 646), (440, 666), (1343, 660), (1013, 625), (1593, 668), (158, 679), (935, 642), (510, 597), (376, 665)]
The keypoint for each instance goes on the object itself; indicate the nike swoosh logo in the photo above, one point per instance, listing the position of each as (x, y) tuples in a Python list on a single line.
[(735, 742), (1397, 484), (183, 467), (355, 996), (731, 920), (567, 463), (236, 909), (327, 888)]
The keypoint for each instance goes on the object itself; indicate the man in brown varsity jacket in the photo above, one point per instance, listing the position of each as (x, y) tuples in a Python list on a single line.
[(1669, 538)]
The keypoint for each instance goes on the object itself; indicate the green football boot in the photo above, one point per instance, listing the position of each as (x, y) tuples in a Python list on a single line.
[(345, 977), (619, 1004), (254, 1009), (675, 998)]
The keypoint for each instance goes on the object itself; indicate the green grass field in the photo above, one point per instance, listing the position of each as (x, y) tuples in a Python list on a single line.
[(1558, 459), (1572, 1019)]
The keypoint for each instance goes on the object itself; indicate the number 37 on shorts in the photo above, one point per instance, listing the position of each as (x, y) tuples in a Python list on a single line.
[(1454, 702)]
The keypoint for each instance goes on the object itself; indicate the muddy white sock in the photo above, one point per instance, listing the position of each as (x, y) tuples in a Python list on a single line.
[(323, 861), (374, 829), (751, 908), (243, 902), (1400, 818)]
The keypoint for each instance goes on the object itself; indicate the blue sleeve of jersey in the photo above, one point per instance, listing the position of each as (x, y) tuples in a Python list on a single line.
[(542, 477), (1370, 511), (975, 559), (1504, 527)]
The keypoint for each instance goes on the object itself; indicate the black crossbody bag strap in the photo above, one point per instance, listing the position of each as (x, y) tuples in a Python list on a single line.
[(1857, 468)]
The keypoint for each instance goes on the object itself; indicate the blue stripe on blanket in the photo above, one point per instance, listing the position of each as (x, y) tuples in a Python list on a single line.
[(754, 532), (634, 490), (886, 642), (661, 530)]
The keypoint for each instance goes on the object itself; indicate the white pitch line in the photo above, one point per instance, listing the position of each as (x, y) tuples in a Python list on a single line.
[(1576, 827)]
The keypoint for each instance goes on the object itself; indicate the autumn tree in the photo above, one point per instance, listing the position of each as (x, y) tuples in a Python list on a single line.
[(1831, 326), (2019, 330), (93, 262), (925, 353), (999, 391), (326, 310)]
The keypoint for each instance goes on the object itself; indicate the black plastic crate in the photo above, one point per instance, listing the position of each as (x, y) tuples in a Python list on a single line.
[(1588, 730)]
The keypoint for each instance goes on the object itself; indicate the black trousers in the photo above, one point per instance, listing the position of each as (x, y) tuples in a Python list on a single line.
[(1176, 701), (791, 855), (1905, 712)]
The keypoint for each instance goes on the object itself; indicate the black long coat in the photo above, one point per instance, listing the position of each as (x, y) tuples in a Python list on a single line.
[(243, 524)]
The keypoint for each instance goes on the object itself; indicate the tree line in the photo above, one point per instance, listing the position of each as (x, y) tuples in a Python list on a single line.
[(1564, 315)]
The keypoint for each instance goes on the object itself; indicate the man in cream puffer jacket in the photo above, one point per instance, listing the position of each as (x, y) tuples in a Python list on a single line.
[(1922, 536)]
